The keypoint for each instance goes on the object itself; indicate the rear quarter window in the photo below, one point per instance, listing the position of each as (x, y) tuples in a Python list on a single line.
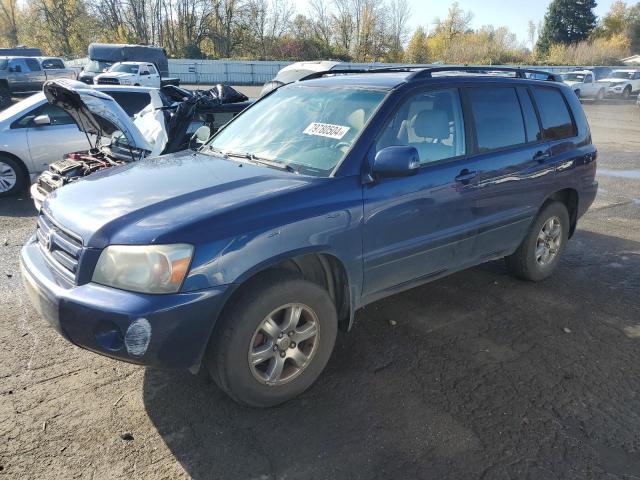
[(557, 122), (497, 117)]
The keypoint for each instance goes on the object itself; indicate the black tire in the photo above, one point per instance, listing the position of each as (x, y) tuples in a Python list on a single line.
[(600, 95), (227, 357), (627, 92), (10, 165), (524, 262), (5, 97)]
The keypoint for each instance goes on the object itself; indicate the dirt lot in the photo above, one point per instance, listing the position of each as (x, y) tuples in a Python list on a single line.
[(480, 376)]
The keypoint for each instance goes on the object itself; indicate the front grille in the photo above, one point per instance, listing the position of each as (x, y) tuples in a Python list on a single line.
[(108, 81), (61, 247)]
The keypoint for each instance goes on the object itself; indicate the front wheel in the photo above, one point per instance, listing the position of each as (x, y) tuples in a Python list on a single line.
[(626, 93), (273, 340), (539, 253), (12, 177), (600, 95)]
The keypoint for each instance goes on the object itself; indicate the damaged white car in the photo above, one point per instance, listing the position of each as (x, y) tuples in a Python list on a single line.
[(170, 123)]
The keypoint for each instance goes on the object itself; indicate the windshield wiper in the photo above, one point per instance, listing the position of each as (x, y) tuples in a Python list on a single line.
[(271, 163), (257, 160)]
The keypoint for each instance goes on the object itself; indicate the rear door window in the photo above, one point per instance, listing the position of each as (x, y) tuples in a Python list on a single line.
[(497, 117), (554, 114)]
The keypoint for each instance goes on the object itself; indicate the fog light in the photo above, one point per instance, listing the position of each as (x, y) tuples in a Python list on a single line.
[(138, 337)]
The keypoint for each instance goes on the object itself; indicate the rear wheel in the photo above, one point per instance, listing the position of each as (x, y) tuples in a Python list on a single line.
[(12, 176), (539, 253), (273, 340), (5, 97), (600, 95)]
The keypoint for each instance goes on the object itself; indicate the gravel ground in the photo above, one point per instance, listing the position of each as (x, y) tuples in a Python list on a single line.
[(477, 376)]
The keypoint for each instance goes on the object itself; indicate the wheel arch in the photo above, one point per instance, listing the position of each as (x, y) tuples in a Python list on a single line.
[(25, 169), (569, 197), (321, 267)]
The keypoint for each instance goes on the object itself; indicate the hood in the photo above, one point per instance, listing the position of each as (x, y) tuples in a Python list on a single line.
[(95, 112), (571, 83), (115, 75), (146, 200), (614, 80)]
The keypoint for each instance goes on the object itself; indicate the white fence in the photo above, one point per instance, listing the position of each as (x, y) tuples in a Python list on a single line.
[(241, 72)]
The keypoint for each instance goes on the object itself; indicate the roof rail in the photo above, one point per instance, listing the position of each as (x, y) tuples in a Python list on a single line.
[(422, 71), (519, 72)]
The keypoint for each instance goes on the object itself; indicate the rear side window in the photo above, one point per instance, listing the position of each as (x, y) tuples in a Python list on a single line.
[(131, 102), (52, 63), (497, 117), (554, 114)]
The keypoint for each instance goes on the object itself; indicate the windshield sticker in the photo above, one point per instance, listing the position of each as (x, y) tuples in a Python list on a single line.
[(326, 130)]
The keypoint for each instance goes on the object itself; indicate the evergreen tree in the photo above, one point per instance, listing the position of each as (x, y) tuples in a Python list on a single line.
[(416, 51), (566, 22)]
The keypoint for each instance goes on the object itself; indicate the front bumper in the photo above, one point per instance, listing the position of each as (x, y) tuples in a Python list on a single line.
[(616, 90), (37, 196), (168, 331)]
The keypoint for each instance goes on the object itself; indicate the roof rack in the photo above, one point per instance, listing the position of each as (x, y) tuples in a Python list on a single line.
[(421, 71), (519, 72)]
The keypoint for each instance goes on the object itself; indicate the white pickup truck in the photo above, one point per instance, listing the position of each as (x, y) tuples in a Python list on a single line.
[(141, 74), (584, 85)]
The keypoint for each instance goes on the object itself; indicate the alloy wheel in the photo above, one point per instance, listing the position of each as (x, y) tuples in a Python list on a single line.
[(549, 241), (8, 177), (284, 344)]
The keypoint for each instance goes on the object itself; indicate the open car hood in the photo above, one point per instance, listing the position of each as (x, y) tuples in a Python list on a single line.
[(95, 112)]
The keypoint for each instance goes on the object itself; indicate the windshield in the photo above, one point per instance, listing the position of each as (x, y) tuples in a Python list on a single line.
[(308, 129), (625, 75), (124, 67), (573, 77), (95, 66)]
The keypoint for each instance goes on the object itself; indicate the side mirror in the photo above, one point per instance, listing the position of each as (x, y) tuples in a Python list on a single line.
[(16, 69), (202, 134), (42, 120), (396, 161), (145, 72)]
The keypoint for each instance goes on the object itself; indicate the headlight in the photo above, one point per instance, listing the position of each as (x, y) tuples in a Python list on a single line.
[(144, 268)]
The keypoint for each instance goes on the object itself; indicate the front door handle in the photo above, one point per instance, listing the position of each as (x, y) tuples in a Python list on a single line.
[(466, 175), (542, 156)]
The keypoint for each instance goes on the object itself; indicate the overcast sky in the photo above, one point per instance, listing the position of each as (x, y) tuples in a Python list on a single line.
[(514, 14)]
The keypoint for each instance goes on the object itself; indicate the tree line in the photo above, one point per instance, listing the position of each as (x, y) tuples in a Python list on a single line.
[(350, 30)]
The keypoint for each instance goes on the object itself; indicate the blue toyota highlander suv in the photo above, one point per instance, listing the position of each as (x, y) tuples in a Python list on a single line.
[(325, 195)]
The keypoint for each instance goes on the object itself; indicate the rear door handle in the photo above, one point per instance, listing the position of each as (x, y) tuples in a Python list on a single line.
[(542, 155), (465, 176)]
